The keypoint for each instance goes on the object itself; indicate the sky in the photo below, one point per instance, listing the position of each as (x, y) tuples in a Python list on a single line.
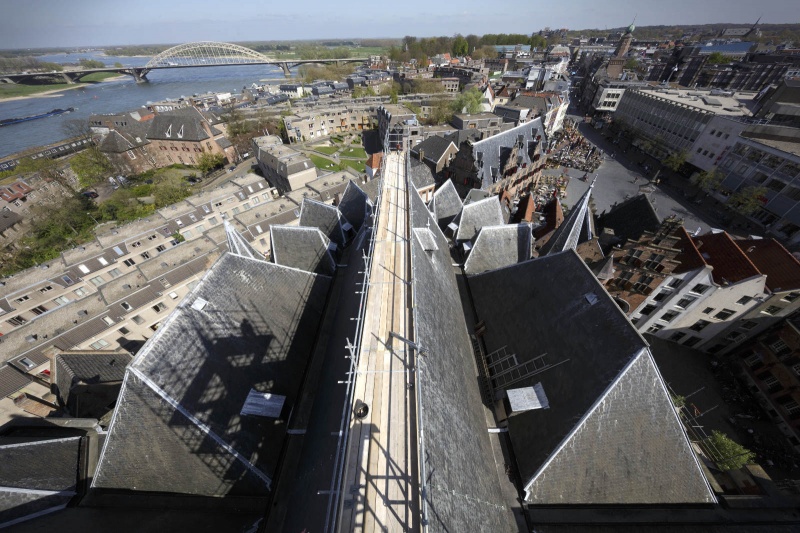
[(76, 23)]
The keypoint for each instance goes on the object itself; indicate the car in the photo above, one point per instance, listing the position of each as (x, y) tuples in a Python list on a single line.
[(89, 194), (231, 168)]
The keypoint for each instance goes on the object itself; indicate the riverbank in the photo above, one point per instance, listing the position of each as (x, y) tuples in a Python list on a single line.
[(51, 91)]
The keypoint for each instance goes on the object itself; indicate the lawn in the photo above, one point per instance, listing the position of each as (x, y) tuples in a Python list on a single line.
[(324, 164), (359, 166), (8, 90), (327, 150), (356, 152), (98, 76)]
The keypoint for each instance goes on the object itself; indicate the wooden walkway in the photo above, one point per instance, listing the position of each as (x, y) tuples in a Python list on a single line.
[(381, 474)]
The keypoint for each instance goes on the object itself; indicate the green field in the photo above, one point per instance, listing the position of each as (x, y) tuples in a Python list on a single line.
[(357, 152), (98, 76), (359, 166), (8, 90), (327, 150), (324, 164)]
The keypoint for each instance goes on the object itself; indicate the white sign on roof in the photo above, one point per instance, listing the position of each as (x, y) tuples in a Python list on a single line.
[(263, 404), (527, 398)]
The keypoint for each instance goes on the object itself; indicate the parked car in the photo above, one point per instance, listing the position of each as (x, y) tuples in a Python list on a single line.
[(113, 182), (231, 168), (90, 194)]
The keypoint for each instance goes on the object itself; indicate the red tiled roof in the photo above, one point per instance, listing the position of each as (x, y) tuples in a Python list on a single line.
[(730, 264), (771, 258), (374, 160), (689, 257)]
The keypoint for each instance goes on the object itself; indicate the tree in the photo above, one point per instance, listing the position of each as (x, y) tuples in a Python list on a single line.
[(468, 102), (361, 92), (484, 52), (727, 454), (460, 46), (708, 180), (632, 64), (91, 166), (209, 161), (716, 58), (538, 42), (117, 65), (91, 63), (675, 160), (170, 190), (747, 200), (473, 41)]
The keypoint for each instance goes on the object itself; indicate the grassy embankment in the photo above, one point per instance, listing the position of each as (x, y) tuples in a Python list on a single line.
[(8, 90)]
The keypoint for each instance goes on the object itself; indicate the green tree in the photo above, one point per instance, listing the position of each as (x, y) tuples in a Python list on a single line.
[(209, 161), (727, 454), (708, 180), (460, 46), (91, 63), (538, 42), (361, 92), (632, 64), (675, 160), (117, 65), (747, 200), (468, 102), (716, 58), (91, 166), (169, 190)]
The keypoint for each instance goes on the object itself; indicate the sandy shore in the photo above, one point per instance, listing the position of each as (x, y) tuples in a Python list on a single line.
[(54, 93)]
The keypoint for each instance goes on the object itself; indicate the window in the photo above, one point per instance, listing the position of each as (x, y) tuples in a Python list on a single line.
[(669, 316), (115, 272), (708, 310), (748, 325), (743, 300), (173, 295), (699, 325), (145, 255), (660, 296), (61, 300), (655, 328), (124, 330), (136, 244), (779, 347), (50, 288), (39, 310), (648, 309), (792, 296), (212, 221), (99, 345), (23, 299), (691, 341), (700, 288), (80, 292), (752, 359), (137, 319), (643, 283), (129, 262), (97, 281), (160, 248), (675, 283), (108, 320), (724, 314), (685, 302), (103, 261), (17, 321), (126, 306), (772, 310), (159, 307), (187, 234), (677, 336), (772, 383), (83, 268)]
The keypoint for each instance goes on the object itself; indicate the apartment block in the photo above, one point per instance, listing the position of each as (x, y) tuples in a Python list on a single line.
[(317, 123)]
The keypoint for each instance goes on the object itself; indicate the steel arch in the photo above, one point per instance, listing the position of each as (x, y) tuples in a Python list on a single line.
[(206, 53)]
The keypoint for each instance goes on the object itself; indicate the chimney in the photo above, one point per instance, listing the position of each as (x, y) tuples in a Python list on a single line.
[(421, 155)]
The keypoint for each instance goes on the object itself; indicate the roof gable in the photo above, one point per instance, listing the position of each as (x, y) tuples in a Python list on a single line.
[(499, 246), (323, 216), (771, 258), (446, 203), (730, 264), (475, 215), (303, 248)]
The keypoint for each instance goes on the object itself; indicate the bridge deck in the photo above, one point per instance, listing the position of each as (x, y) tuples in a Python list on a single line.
[(381, 474)]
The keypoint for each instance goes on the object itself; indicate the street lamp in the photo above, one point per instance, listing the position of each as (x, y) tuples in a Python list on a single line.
[(96, 223)]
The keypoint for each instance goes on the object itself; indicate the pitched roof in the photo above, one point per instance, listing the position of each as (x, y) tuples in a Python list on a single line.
[(474, 216), (374, 160), (89, 367), (730, 263), (420, 174), (323, 216), (177, 426), (771, 258), (184, 124), (578, 227), (303, 248), (565, 332), (462, 482), (355, 205), (434, 148), (492, 153), (631, 218), (446, 203), (499, 246), (475, 195)]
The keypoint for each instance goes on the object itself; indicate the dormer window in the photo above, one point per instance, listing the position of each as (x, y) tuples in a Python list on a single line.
[(180, 132), (169, 131)]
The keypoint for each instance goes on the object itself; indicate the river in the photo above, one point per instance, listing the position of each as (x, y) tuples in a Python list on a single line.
[(116, 96)]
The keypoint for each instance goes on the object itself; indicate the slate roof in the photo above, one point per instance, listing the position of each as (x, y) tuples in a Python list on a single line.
[(72, 368), (184, 124), (302, 248), (578, 227), (475, 195), (499, 246), (730, 263), (355, 205), (327, 218), (611, 434), (476, 215), (446, 203), (491, 153), (420, 174), (463, 489), (461, 136), (37, 476), (631, 218), (771, 258), (248, 325), (434, 147)]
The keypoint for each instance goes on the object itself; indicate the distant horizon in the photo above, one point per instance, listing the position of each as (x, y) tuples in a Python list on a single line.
[(318, 39), (108, 23)]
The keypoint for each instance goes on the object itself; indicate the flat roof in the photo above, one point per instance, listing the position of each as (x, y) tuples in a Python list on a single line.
[(739, 104)]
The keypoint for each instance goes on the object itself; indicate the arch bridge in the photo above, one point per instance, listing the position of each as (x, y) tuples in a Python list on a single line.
[(189, 55)]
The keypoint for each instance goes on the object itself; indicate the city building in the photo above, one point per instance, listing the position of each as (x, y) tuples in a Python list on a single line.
[(312, 124), (181, 136), (285, 168)]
